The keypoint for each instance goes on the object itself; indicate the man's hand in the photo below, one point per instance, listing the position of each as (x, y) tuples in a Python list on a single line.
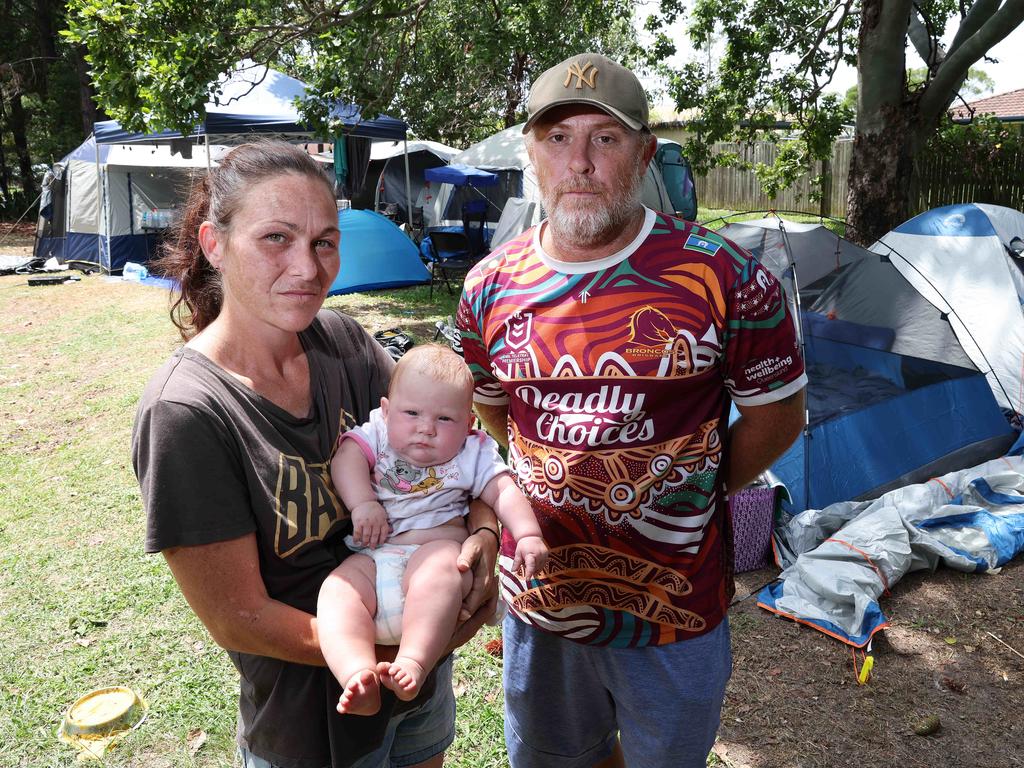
[(479, 554), (370, 524), (531, 556)]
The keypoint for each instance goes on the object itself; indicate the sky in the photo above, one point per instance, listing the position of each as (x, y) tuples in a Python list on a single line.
[(1008, 73)]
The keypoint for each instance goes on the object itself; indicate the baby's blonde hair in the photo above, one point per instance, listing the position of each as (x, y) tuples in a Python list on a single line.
[(437, 362)]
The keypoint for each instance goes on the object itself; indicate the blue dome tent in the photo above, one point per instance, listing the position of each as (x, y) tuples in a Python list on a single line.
[(894, 394), (375, 254)]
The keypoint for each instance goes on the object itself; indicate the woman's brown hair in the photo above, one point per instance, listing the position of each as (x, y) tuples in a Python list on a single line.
[(216, 198)]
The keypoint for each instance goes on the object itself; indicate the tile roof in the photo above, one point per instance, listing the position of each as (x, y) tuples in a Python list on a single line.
[(1009, 104)]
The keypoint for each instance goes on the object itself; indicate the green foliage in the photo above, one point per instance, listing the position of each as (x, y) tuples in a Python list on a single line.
[(455, 73), (778, 58), (749, 92), (978, 146), (153, 63), (55, 126), (39, 113)]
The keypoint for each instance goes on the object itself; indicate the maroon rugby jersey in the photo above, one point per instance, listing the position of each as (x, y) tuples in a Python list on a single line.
[(617, 374)]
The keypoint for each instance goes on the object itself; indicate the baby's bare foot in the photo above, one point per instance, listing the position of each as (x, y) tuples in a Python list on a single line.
[(403, 676), (361, 695)]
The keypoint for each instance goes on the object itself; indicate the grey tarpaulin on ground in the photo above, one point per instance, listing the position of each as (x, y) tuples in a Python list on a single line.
[(839, 560)]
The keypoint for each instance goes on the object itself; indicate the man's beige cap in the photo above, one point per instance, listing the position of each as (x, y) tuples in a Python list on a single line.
[(590, 78)]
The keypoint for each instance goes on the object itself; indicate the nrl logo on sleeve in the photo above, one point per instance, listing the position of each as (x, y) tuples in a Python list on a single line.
[(585, 75)]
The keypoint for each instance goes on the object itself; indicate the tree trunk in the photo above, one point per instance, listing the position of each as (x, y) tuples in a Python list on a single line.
[(47, 37), (514, 89), (879, 183), (5, 180), (17, 121), (90, 112), (882, 158)]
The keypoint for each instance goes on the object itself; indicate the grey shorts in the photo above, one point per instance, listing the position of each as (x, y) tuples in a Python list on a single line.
[(566, 703), (412, 737)]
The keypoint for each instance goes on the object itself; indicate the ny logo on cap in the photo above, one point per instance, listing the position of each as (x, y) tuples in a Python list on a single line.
[(581, 75)]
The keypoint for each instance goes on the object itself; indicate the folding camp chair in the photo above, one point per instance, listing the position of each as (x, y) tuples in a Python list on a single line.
[(474, 224), (451, 256)]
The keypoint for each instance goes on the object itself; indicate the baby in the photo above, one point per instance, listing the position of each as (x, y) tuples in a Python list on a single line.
[(426, 464)]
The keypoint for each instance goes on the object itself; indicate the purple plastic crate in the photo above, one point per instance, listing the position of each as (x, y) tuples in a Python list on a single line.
[(753, 515)]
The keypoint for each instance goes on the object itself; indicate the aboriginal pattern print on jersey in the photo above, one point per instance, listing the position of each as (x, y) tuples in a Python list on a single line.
[(616, 382)]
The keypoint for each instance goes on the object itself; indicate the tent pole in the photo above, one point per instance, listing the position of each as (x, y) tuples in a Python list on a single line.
[(408, 185), (100, 219), (799, 321)]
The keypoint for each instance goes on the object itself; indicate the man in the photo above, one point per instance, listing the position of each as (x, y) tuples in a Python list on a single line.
[(607, 344)]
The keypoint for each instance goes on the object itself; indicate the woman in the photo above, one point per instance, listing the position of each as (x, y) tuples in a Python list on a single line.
[(232, 446)]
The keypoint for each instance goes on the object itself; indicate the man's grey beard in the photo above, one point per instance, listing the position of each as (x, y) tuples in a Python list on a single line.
[(595, 224)]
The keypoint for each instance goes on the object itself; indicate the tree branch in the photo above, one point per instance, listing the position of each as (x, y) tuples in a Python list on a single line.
[(942, 90), (973, 20), (923, 38), (826, 30)]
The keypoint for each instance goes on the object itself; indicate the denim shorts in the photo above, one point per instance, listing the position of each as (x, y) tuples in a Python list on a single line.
[(412, 736), (566, 703)]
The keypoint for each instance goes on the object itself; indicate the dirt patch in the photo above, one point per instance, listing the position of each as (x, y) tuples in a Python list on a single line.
[(17, 239), (794, 700)]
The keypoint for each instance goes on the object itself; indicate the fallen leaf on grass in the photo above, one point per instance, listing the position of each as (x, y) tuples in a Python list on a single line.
[(495, 647), (196, 739)]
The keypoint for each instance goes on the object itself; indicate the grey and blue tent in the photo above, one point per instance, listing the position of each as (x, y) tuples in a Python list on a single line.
[(898, 390), (106, 202)]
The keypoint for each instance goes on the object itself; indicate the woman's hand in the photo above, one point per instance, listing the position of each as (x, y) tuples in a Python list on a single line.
[(479, 554)]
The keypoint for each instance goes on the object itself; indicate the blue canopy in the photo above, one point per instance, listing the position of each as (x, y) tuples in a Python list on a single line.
[(461, 175), (257, 99)]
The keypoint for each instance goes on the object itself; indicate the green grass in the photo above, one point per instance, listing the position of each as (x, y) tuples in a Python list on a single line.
[(715, 218), (81, 605)]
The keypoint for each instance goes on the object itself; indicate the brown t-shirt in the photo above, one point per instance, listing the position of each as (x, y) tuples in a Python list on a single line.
[(216, 461)]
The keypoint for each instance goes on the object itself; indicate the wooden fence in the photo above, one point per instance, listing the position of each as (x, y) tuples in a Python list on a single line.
[(944, 181), (937, 181)]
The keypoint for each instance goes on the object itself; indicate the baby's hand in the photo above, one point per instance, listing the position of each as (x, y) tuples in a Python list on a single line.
[(370, 524), (531, 556)]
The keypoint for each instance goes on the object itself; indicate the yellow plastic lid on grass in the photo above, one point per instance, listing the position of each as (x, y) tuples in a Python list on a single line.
[(97, 719)]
